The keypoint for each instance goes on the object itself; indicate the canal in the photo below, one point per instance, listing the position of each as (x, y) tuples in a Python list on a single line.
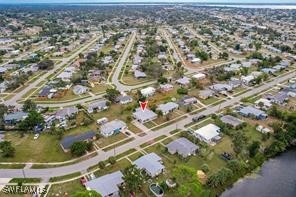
[(276, 178)]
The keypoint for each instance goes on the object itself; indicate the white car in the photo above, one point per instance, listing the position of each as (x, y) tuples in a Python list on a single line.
[(36, 136)]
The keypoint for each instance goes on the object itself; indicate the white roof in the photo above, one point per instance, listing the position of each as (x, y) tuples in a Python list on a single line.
[(106, 185), (147, 90), (183, 80), (264, 101), (167, 106), (150, 162), (144, 115), (208, 132), (199, 76)]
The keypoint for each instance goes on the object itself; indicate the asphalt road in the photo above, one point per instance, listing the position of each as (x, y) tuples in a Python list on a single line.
[(83, 165), (115, 77)]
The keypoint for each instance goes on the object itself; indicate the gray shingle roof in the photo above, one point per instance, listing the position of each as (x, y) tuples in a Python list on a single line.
[(182, 146), (106, 185), (66, 112), (69, 140), (16, 116), (167, 107), (228, 119), (144, 115), (112, 126), (151, 163), (249, 110)]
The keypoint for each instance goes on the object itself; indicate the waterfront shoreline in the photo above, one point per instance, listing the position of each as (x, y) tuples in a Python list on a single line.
[(262, 177)]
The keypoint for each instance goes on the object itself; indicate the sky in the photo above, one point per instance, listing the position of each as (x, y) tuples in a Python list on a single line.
[(203, 1)]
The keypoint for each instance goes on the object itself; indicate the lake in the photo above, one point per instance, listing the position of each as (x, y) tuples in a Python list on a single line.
[(276, 178)]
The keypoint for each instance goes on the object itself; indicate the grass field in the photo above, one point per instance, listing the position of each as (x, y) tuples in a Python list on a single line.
[(45, 149), (119, 165), (65, 189)]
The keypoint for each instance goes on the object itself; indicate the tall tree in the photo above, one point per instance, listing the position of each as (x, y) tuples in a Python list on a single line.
[(187, 181), (34, 118), (29, 105), (112, 94), (7, 150), (133, 179)]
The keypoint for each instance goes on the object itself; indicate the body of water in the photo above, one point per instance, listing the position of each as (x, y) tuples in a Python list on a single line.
[(263, 6), (277, 178)]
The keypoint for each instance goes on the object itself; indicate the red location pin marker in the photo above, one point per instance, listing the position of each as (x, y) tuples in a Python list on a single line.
[(143, 104)]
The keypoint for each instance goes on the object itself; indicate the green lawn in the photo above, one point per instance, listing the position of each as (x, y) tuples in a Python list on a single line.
[(66, 177), (68, 95), (12, 166), (119, 144), (25, 180), (65, 189), (152, 141), (209, 100), (97, 89), (119, 165), (135, 156), (102, 142), (45, 149), (130, 151)]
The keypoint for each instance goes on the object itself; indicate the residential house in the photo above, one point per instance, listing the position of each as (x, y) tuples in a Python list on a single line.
[(183, 81), (65, 76), (209, 133), (68, 141), (134, 67), (187, 100), (151, 164), (250, 111), (196, 60), (79, 89), (263, 103), (139, 74), (95, 75), (124, 99), (65, 113), (269, 70), (199, 76), (219, 87), (45, 92), (167, 107), (235, 83), (183, 147), (167, 67), (149, 91), (3, 70), (97, 106), (112, 127), (279, 98), (107, 185), (166, 87), (144, 115), (205, 94), (231, 120), (3, 86), (247, 79), (15, 117)]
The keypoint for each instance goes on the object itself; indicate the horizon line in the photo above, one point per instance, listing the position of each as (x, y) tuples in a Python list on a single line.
[(142, 2)]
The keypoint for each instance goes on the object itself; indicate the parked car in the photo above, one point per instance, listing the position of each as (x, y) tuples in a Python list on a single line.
[(127, 133), (83, 181), (36, 136), (226, 156), (197, 118)]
